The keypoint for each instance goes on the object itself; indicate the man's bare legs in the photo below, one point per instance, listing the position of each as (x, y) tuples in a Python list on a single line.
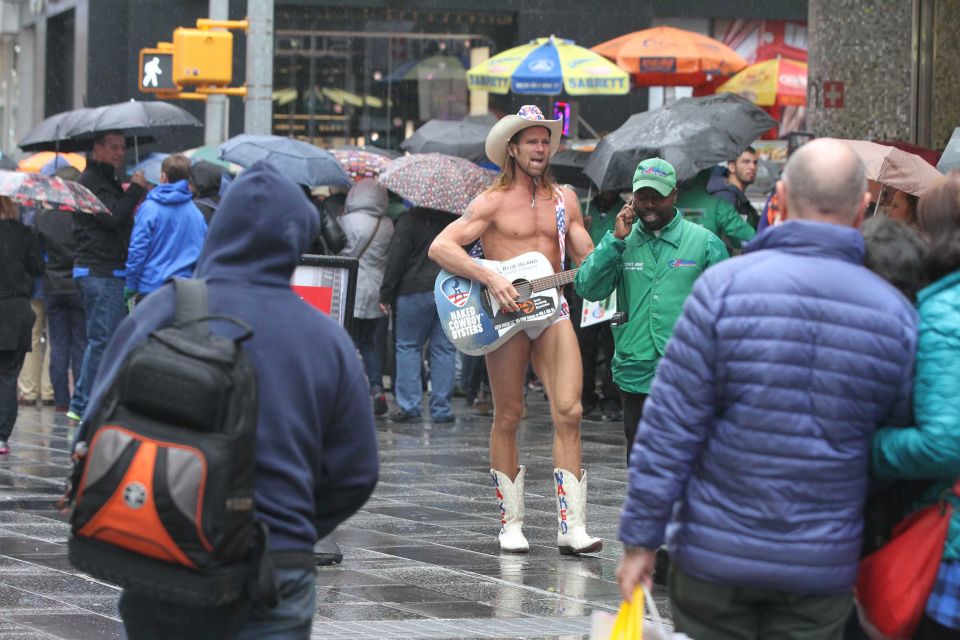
[(555, 355), (507, 368)]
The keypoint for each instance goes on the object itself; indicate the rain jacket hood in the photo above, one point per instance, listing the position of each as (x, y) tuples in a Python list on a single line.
[(367, 196), (268, 226), (173, 193), (206, 178)]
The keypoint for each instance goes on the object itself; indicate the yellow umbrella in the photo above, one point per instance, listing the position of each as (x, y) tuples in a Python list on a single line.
[(772, 82), (37, 161)]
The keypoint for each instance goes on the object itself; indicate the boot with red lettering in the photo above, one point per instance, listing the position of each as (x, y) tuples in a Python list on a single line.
[(572, 537), (510, 499)]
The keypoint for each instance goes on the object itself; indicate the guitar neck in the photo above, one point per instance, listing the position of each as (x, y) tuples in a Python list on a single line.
[(554, 281)]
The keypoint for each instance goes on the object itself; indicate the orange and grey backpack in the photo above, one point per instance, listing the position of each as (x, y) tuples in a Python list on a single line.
[(163, 497)]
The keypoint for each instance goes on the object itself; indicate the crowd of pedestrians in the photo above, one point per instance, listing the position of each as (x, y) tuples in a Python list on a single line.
[(762, 397)]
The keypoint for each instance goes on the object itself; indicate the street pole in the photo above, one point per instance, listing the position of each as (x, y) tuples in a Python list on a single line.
[(258, 108), (215, 123)]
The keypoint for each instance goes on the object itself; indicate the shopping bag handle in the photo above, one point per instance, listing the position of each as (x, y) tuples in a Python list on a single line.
[(652, 608)]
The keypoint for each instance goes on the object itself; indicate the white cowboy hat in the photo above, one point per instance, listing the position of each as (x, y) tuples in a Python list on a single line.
[(508, 126)]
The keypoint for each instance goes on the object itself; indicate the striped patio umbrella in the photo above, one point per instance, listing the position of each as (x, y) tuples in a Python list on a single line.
[(549, 66)]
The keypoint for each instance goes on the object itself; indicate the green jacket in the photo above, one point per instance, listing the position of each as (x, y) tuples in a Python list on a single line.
[(653, 277), (713, 213), (931, 449)]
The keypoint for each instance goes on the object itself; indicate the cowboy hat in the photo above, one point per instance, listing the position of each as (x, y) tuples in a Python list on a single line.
[(508, 126)]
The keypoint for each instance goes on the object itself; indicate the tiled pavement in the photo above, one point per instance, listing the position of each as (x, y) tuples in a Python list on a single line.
[(420, 559)]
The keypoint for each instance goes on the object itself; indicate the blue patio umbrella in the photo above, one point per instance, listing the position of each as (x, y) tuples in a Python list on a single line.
[(302, 162)]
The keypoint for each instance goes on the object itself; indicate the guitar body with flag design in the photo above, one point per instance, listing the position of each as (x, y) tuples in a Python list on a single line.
[(475, 323)]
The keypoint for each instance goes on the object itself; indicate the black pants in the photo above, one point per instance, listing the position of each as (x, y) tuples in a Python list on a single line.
[(10, 364), (473, 375), (596, 342), (929, 629), (632, 410)]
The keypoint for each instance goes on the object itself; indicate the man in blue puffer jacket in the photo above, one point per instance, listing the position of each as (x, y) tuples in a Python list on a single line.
[(755, 440)]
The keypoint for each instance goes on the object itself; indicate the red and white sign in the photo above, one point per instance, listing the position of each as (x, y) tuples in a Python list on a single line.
[(832, 95)]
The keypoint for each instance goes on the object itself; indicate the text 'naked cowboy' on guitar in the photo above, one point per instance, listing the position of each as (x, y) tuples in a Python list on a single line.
[(476, 324)]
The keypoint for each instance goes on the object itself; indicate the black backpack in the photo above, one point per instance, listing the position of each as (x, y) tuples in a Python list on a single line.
[(163, 495)]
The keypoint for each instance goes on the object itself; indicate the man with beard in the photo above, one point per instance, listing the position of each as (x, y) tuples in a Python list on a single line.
[(731, 184), (652, 266), (525, 210)]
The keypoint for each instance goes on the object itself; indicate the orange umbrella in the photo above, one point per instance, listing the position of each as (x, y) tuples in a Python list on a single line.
[(37, 161), (770, 83), (665, 56)]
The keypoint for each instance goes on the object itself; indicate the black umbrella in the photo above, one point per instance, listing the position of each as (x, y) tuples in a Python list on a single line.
[(53, 134), (459, 138), (134, 119), (950, 160), (300, 161), (691, 134), (567, 167)]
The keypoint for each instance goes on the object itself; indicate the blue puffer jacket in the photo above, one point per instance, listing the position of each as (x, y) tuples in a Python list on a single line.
[(931, 449), (758, 425)]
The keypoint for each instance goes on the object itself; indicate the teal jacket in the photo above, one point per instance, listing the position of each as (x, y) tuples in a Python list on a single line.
[(931, 449)]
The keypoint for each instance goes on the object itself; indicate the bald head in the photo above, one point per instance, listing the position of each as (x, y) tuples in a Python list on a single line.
[(825, 181)]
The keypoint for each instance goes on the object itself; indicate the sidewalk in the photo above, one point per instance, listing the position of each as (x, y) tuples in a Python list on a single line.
[(421, 560)]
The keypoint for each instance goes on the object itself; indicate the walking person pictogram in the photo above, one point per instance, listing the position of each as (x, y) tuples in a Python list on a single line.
[(150, 72)]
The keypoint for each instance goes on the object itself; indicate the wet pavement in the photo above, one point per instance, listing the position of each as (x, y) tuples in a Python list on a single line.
[(421, 559)]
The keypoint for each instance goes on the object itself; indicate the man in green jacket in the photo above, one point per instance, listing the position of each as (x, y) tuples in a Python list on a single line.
[(713, 213), (652, 265)]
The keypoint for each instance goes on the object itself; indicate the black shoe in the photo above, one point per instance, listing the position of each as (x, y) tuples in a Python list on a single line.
[(326, 552), (48, 403), (402, 416), (442, 420), (379, 404)]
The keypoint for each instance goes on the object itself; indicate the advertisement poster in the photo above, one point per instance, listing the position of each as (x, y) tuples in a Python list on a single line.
[(327, 283), (600, 311)]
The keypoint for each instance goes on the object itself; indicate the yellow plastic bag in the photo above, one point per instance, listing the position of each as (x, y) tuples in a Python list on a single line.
[(629, 622)]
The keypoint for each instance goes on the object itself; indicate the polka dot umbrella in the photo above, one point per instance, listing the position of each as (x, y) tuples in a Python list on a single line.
[(436, 181)]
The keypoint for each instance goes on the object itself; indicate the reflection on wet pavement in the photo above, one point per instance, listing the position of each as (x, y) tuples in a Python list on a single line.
[(421, 559)]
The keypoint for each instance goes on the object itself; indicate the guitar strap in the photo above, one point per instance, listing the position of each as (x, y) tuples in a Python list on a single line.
[(476, 251)]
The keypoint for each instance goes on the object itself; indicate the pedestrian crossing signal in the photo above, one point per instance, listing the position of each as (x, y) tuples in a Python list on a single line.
[(156, 71)]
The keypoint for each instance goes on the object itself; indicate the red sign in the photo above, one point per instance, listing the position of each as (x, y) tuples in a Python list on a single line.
[(832, 95), (318, 297)]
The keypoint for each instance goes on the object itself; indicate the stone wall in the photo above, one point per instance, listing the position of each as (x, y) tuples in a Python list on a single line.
[(869, 46), (946, 72), (866, 45)]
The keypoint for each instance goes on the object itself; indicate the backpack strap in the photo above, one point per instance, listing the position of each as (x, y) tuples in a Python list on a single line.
[(191, 310)]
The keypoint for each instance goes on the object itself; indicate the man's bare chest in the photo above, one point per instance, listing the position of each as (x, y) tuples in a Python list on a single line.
[(518, 220)]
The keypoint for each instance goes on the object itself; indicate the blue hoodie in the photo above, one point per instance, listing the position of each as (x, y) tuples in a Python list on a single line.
[(167, 236), (316, 439)]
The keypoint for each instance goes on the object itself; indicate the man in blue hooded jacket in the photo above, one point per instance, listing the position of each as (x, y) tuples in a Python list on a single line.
[(316, 460), (755, 439), (167, 233)]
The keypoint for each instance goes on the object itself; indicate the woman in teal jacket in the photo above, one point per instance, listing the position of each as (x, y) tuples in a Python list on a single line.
[(931, 449)]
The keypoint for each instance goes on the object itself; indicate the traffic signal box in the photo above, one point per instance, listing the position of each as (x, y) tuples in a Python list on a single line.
[(202, 57)]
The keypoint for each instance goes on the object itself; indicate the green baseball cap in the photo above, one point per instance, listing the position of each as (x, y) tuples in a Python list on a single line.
[(656, 173)]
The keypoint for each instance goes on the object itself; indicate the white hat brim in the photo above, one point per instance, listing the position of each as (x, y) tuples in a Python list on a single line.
[(508, 126)]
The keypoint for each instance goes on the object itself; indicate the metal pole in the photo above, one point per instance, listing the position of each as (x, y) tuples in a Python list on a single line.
[(215, 129), (258, 109)]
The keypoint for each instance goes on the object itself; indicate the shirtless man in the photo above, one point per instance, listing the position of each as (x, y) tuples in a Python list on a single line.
[(525, 211)]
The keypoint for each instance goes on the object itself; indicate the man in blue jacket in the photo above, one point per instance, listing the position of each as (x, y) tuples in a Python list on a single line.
[(167, 233), (316, 460), (755, 440)]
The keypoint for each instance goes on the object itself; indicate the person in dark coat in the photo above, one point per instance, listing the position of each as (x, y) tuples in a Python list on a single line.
[(65, 317), (205, 180), (99, 266), (316, 460), (408, 289), (730, 183), (20, 263)]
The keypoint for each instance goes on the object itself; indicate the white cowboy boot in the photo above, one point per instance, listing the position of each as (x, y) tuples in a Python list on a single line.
[(572, 538), (510, 498)]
